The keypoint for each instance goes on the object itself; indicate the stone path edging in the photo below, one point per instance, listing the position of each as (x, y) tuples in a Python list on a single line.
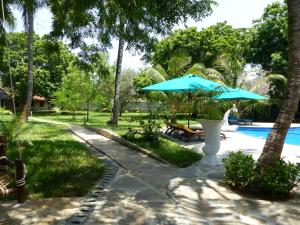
[(96, 198), (109, 134)]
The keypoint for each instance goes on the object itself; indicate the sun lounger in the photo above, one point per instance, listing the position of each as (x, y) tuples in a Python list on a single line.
[(188, 133), (233, 120), (245, 121), (171, 128)]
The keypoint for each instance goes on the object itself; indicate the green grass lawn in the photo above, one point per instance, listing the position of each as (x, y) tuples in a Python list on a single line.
[(170, 151), (57, 165), (166, 149)]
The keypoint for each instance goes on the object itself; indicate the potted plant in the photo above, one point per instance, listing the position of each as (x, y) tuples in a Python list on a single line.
[(211, 124)]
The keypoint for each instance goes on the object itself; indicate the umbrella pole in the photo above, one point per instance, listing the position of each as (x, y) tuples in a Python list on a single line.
[(189, 111)]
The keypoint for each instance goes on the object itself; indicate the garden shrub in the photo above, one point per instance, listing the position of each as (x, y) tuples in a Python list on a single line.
[(240, 170), (149, 129), (243, 173), (280, 179)]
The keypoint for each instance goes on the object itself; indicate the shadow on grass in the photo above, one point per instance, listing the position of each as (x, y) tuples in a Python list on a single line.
[(59, 168)]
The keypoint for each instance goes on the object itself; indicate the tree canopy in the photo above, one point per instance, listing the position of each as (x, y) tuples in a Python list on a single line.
[(203, 46), (51, 61), (268, 44)]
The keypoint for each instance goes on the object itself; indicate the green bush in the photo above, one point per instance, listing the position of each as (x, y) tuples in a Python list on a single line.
[(243, 173), (240, 170), (280, 179), (149, 129)]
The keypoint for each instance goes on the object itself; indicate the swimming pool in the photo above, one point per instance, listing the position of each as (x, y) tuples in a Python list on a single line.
[(293, 135)]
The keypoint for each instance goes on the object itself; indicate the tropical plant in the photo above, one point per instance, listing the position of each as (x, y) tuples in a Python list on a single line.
[(274, 144), (232, 69), (12, 130)]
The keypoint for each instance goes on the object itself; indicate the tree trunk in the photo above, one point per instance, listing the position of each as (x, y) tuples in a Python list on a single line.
[(274, 144), (88, 111), (116, 106), (27, 106)]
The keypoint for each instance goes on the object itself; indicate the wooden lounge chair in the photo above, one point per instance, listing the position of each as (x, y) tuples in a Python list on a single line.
[(189, 133), (171, 128), (11, 174), (198, 132)]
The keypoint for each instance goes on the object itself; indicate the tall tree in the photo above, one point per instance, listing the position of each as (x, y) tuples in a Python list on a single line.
[(94, 64), (274, 144), (28, 8), (133, 23)]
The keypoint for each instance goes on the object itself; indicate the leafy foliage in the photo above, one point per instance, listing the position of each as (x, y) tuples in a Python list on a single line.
[(127, 89), (240, 170), (149, 129), (268, 44), (134, 22), (243, 173), (13, 129), (203, 46), (51, 60)]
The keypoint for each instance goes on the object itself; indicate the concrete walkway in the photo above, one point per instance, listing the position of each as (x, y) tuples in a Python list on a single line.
[(146, 191), (149, 192)]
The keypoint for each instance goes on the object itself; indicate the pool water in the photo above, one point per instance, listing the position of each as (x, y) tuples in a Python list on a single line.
[(293, 135)]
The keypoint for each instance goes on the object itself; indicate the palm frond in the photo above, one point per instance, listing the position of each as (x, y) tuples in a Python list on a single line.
[(179, 63), (154, 74), (161, 70), (196, 69), (274, 78)]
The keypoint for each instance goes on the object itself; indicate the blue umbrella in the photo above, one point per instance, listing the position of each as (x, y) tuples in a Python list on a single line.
[(186, 84), (239, 94)]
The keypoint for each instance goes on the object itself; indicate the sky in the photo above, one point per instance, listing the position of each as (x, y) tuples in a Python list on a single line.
[(238, 13)]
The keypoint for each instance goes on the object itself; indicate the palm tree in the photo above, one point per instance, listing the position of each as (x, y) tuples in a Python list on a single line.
[(274, 144), (232, 69), (6, 13), (28, 8)]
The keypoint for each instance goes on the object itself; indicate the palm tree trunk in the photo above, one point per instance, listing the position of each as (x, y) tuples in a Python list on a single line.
[(274, 144), (116, 106), (27, 106)]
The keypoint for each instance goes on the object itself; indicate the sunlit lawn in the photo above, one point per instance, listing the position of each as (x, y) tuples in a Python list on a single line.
[(57, 165), (166, 149)]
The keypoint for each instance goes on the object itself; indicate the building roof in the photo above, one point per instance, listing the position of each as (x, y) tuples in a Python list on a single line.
[(38, 98)]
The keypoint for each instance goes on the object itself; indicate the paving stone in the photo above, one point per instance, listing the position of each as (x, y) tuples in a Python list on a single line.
[(150, 195), (128, 183)]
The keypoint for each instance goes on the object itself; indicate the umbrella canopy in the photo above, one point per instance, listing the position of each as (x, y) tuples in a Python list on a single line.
[(239, 94), (186, 84)]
